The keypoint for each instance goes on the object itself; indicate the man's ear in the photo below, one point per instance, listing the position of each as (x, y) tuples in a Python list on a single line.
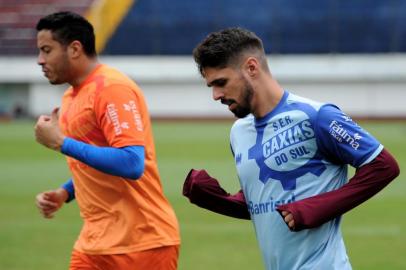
[(75, 49), (251, 66)]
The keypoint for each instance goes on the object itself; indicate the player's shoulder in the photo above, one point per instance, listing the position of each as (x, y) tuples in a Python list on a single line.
[(315, 110), (303, 101), (115, 81)]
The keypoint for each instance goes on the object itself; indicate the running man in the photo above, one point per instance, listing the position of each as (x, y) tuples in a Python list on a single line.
[(103, 127)]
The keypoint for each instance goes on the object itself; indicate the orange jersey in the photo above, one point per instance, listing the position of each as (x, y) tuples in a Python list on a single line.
[(163, 258), (120, 215)]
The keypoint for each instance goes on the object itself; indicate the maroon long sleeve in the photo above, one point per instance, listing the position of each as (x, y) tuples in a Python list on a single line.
[(205, 191), (366, 182)]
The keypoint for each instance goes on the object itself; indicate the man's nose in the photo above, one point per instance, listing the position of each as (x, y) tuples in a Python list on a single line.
[(40, 60), (217, 93)]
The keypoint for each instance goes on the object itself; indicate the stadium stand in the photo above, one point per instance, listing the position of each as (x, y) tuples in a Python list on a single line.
[(19, 17), (286, 26), (161, 27)]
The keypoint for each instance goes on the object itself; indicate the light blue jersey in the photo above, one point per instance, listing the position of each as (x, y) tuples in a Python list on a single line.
[(298, 150)]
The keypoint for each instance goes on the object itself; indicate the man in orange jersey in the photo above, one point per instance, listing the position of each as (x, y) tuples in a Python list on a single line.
[(103, 127)]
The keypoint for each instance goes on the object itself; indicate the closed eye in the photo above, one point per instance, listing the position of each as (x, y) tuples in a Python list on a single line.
[(218, 83), (45, 49)]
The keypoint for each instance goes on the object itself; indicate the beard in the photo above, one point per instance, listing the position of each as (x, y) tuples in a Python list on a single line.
[(243, 109), (60, 72)]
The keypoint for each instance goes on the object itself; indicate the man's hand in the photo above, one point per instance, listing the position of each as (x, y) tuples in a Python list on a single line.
[(49, 202), (47, 131), (288, 218)]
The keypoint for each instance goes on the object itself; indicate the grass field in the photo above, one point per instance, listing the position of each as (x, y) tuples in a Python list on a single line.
[(375, 232)]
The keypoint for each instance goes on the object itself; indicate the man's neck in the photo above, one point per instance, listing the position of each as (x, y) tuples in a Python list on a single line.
[(267, 97), (83, 70)]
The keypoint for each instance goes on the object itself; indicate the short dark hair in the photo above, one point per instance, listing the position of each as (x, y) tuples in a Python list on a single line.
[(67, 27), (223, 48)]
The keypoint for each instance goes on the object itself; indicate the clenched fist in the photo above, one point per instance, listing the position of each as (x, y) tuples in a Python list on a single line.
[(47, 131)]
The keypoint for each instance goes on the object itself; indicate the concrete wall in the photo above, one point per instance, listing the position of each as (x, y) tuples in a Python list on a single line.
[(362, 85)]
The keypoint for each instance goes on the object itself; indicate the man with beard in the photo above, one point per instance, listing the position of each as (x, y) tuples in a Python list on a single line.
[(104, 129), (291, 155)]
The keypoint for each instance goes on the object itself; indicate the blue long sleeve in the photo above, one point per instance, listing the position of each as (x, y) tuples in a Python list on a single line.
[(127, 162), (68, 186)]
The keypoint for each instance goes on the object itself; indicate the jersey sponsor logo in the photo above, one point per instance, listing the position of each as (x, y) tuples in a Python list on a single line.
[(347, 118), (268, 206), (132, 107), (125, 125), (342, 135), (113, 118), (285, 149)]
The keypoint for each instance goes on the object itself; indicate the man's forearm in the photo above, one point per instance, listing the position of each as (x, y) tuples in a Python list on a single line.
[(206, 192), (70, 190), (367, 181), (127, 162)]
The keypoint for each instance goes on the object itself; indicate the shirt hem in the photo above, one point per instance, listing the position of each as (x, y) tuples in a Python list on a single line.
[(124, 250)]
